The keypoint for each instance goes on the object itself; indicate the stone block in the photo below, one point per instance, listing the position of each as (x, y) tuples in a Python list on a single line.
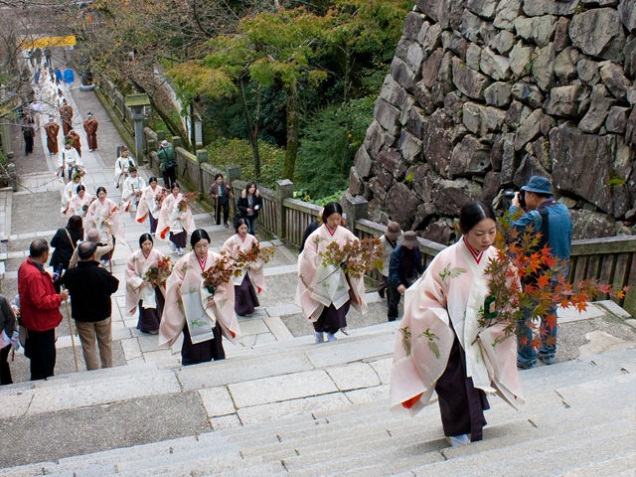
[(412, 25), (403, 74), (617, 119), (565, 101), (495, 66), (528, 93), (363, 162), (428, 7), (529, 129), (416, 122), (484, 8), (401, 203), (437, 144), (387, 116), (281, 388), (430, 68), (598, 32), (630, 57), (627, 14), (503, 42), (507, 12), (469, 157), (564, 68), (354, 376), (600, 104), (217, 401), (543, 67), (410, 147), (470, 26), (471, 116), (414, 56), (429, 37), (539, 30), (492, 120), (520, 59), (473, 56), (468, 81), (535, 8), (561, 37), (498, 94), (392, 92), (614, 79)]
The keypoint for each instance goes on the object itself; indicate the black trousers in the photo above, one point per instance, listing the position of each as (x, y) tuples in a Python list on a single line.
[(40, 349), (169, 177), (225, 207), (5, 370), (393, 301)]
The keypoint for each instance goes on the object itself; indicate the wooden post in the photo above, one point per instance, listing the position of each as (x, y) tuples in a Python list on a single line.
[(354, 208), (284, 190)]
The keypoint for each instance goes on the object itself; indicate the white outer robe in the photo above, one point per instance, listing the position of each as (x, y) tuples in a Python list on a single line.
[(309, 262), (452, 289), (187, 270)]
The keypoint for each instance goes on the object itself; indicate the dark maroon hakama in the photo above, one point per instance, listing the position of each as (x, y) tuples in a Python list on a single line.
[(149, 318), (461, 405), (202, 352), (331, 319), (179, 239), (245, 298)]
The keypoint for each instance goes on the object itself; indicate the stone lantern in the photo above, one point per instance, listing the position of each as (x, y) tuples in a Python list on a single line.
[(137, 104)]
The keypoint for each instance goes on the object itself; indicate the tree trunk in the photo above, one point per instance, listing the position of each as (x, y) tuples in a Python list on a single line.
[(293, 120), (252, 131)]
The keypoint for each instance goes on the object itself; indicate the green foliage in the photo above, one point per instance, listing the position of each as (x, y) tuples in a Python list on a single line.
[(224, 152), (3, 158), (329, 145)]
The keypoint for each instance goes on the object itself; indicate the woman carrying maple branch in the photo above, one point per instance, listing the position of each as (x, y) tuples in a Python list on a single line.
[(326, 292), (149, 204), (203, 312), (251, 280), (103, 214), (78, 205), (440, 346), (147, 270), (176, 219)]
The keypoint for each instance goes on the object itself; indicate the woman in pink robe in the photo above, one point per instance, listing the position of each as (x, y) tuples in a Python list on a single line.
[(79, 203), (148, 204), (327, 310), (219, 307), (103, 214), (440, 346), (140, 292), (174, 223), (253, 282)]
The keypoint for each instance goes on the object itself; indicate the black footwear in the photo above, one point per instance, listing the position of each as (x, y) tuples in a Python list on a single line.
[(381, 293), (226, 225)]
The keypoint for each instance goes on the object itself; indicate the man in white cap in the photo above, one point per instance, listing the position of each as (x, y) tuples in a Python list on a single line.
[(552, 220), (90, 126), (167, 164)]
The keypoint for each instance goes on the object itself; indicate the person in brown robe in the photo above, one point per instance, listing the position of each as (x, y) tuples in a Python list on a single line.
[(90, 126), (75, 141), (52, 129), (66, 113)]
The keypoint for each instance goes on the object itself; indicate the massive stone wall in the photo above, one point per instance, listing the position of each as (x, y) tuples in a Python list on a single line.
[(482, 94)]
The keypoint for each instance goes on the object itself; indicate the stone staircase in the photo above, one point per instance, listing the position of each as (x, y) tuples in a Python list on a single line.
[(296, 408)]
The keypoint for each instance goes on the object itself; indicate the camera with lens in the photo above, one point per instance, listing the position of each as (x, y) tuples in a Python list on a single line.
[(510, 195)]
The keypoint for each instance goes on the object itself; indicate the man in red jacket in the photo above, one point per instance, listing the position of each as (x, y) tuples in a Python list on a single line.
[(39, 309)]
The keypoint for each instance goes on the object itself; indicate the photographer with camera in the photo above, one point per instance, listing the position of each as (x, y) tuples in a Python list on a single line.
[(552, 220)]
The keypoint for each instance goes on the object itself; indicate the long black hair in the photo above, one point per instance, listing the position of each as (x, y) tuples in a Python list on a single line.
[(473, 213), (198, 235), (330, 208), (144, 237)]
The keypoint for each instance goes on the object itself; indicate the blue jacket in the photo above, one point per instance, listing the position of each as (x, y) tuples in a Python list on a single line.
[(559, 227)]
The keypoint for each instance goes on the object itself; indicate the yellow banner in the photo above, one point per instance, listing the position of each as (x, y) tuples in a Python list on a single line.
[(48, 42)]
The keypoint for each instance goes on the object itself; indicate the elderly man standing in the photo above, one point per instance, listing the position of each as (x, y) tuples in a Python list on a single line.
[(39, 309), (91, 287), (90, 126)]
